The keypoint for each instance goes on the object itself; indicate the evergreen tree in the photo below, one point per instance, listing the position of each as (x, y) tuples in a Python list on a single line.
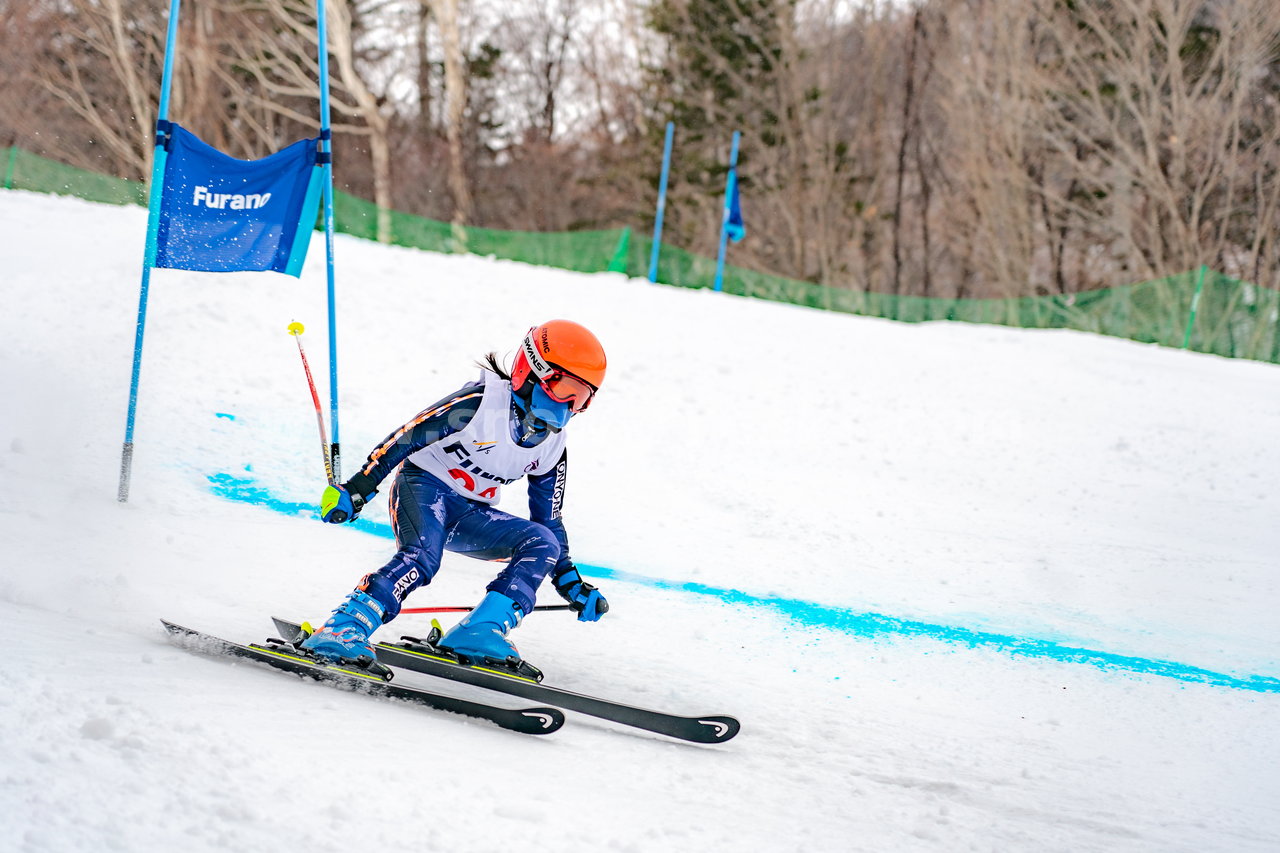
[(720, 74)]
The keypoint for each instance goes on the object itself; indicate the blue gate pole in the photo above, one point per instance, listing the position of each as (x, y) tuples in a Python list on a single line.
[(724, 218), (662, 202), (326, 155), (149, 255)]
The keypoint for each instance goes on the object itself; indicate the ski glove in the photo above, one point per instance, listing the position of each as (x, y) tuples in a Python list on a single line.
[(343, 503), (583, 598)]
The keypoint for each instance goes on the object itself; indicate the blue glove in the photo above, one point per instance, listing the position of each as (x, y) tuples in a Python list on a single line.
[(338, 504), (583, 598)]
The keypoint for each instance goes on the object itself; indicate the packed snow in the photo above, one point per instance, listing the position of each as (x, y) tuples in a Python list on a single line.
[(966, 587)]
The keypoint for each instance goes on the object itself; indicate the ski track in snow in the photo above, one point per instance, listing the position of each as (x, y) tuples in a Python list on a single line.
[(1046, 486)]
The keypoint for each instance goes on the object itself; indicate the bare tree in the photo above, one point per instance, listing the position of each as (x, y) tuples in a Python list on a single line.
[(343, 45), (990, 112), (100, 61), (537, 39), (945, 147), (1156, 104), (27, 106), (455, 110), (854, 62), (280, 56)]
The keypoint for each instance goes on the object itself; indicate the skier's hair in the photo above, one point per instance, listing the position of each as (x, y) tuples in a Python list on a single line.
[(490, 362)]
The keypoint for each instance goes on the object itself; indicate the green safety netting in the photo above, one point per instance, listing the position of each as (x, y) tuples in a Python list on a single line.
[(582, 251), (26, 171), (1200, 309)]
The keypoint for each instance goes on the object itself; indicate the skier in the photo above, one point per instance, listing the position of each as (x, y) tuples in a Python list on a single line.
[(453, 459)]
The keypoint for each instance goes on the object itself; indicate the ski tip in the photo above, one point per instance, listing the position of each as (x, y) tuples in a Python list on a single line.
[(541, 721), (718, 729), (175, 629)]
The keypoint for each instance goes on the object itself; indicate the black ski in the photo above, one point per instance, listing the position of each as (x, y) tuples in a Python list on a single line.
[(418, 656), (533, 721)]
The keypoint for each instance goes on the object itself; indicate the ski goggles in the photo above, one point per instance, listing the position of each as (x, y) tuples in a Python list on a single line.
[(566, 388), (559, 384)]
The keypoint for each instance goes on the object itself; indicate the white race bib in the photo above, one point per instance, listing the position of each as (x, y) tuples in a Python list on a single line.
[(483, 457)]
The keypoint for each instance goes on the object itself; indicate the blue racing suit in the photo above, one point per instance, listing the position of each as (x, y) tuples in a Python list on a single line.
[(429, 517)]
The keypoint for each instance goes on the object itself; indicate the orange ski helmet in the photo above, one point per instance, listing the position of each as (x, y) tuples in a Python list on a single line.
[(563, 357)]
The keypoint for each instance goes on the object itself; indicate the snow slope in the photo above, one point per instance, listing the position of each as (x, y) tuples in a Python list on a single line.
[(967, 588)]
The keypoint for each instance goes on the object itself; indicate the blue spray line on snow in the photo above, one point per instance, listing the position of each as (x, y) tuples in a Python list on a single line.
[(811, 614), (873, 625), (246, 490)]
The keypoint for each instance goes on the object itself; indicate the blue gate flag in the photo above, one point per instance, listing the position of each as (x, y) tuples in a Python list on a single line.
[(220, 214), (733, 225), (731, 219)]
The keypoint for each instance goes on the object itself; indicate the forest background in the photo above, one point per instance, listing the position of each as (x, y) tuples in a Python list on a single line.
[(943, 148)]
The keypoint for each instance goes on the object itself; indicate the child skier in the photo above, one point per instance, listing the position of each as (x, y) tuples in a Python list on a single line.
[(454, 458)]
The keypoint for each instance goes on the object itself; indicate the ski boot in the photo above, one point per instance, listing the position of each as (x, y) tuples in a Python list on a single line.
[(482, 634), (344, 638)]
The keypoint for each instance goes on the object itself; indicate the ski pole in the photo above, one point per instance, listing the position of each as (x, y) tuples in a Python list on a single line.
[(469, 609), (296, 329)]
